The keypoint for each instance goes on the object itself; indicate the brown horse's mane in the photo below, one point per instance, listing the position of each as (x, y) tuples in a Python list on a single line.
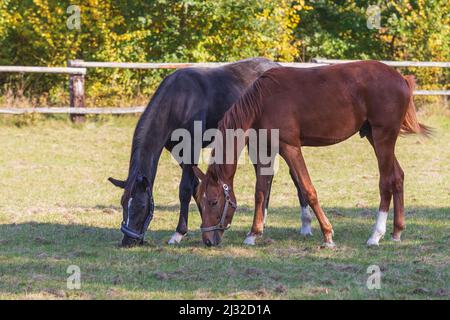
[(243, 113)]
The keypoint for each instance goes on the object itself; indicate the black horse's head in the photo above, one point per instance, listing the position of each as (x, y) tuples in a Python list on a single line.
[(138, 207)]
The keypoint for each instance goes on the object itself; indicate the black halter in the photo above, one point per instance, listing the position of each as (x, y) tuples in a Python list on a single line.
[(126, 230), (228, 202)]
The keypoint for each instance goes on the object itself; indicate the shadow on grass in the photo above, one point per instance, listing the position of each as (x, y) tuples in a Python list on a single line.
[(34, 257), (432, 213)]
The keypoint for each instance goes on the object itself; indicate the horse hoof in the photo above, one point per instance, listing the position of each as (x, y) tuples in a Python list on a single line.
[(306, 231), (250, 240), (396, 239), (176, 238), (329, 245), (374, 240)]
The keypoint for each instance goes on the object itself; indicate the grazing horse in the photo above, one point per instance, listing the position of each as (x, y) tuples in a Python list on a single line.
[(316, 107), (185, 96)]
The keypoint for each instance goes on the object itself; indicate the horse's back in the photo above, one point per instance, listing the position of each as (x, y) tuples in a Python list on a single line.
[(207, 93), (328, 104), (368, 74), (201, 94)]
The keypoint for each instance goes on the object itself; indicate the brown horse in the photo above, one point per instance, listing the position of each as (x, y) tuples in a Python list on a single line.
[(316, 107)]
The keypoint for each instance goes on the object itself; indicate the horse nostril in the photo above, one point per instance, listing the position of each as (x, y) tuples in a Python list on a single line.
[(217, 238), (208, 243)]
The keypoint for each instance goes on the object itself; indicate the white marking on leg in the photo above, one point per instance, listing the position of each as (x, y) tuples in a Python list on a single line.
[(265, 216), (250, 240), (306, 218), (176, 238), (379, 229), (328, 245)]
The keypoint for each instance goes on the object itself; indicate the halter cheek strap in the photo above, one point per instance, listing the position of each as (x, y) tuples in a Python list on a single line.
[(221, 224), (126, 230)]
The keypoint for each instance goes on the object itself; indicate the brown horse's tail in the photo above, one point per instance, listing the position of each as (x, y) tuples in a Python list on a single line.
[(410, 123)]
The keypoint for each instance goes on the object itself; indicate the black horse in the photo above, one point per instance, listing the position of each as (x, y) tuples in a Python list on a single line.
[(185, 96)]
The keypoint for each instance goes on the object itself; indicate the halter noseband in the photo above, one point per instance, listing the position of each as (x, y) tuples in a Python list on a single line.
[(126, 230), (228, 202)]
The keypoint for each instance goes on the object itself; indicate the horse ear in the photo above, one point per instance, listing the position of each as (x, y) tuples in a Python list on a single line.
[(118, 183), (198, 173)]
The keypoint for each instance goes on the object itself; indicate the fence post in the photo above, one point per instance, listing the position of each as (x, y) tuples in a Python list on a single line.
[(76, 89)]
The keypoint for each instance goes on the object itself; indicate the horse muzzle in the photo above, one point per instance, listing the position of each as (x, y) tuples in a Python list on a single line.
[(132, 237), (128, 242), (212, 238)]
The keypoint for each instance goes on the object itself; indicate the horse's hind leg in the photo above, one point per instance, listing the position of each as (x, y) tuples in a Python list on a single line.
[(186, 191), (306, 215), (294, 159), (266, 208), (399, 208), (262, 191), (391, 182)]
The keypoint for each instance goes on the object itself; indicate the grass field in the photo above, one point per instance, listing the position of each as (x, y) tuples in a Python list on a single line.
[(57, 209)]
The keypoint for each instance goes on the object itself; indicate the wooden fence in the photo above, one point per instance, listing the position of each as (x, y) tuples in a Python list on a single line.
[(431, 64), (77, 70)]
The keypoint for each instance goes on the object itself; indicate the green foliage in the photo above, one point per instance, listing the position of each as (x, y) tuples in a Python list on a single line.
[(35, 32), (420, 30), (409, 30)]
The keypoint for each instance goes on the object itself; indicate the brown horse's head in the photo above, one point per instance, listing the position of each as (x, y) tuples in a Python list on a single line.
[(217, 203)]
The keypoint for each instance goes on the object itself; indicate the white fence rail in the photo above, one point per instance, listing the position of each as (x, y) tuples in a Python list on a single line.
[(432, 92), (428, 64), (70, 110), (175, 65), (61, 70), (77, 69)]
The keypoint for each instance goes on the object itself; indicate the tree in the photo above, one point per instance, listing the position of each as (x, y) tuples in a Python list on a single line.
[(35, 33)]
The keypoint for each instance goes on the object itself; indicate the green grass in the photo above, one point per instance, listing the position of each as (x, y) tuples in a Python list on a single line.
[(57, 209)]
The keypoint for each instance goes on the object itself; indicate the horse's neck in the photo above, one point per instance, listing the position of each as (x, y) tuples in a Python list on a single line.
[(149, 140), (228, 163), (144, 162)]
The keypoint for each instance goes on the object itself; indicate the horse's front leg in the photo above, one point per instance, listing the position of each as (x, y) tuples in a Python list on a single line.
[(187, 188), (305, 215), (262, 192), (292, 154)]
